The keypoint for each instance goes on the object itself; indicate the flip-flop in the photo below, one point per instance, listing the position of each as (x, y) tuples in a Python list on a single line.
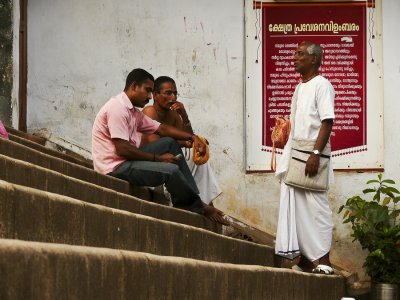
[(323, 269)]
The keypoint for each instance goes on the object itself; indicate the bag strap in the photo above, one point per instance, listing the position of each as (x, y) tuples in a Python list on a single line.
[(309, 152), (294, 107)]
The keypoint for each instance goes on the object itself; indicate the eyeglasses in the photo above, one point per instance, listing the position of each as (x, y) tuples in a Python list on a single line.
[(170, 93)]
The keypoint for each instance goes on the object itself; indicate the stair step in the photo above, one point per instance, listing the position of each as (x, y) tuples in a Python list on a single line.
[(67, 232), (26, 174), (18, 151), (32, 270), (26, 136), (34, 215), (18, 137)]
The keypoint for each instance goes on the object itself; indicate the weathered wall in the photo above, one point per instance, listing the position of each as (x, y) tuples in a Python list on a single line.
[(6, 65), (391, 60), (80, 53)]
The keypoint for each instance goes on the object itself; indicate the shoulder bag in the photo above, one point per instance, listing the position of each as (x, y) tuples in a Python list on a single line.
[(300, 152), (295, 176)]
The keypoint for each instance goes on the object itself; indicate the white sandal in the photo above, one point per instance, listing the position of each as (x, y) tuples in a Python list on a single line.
[(323, 269)]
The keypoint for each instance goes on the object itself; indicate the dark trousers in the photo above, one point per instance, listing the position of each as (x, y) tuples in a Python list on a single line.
[(177, 177)]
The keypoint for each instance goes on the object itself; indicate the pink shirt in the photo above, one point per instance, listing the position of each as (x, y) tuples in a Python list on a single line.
[(117, 119), (3, 131)]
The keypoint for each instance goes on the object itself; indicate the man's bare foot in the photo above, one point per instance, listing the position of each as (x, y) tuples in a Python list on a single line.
[(215, 214), (305, 264), (324, 260)]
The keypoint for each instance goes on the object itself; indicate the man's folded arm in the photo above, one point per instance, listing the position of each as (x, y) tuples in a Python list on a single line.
[(165, 130)]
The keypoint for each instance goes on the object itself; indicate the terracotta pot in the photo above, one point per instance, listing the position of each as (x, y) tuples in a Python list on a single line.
[(384, 291)]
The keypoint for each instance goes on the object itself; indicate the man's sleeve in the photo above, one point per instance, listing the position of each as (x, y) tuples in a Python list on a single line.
[(325, 101), (147, 125), (117, 122)]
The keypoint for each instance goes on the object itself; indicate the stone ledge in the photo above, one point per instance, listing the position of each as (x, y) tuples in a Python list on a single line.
[(26, 174), (50, 271), (40, 147), (27, 154), (34, 215)]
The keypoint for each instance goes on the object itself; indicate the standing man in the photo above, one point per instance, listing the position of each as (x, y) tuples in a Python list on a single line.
[(305, 218), (116, 138), (167, 110)]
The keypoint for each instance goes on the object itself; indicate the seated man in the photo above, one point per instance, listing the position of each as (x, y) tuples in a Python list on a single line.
[(167, 110), (116, 137)]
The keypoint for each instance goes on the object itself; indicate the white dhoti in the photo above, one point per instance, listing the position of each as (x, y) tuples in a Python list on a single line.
[(305, 224), (305, 218), (205, 179)]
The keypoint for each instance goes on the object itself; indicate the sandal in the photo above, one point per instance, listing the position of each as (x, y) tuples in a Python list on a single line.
[(323, 269)]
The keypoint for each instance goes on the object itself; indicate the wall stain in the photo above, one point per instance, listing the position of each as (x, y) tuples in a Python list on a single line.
[(230, 204), (252, 215), (194, 55), (227, 60), (226, 150)]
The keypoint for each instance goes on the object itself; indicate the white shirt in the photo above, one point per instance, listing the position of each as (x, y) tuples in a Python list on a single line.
[(315, 103)]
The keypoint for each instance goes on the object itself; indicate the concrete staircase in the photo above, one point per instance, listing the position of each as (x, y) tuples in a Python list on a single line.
[(67, 232)]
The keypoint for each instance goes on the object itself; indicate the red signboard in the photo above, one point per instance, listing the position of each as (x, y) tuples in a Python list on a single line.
[(340, 29)]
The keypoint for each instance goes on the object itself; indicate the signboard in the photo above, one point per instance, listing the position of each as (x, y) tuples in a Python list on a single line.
[(341, 33), (351, 42)]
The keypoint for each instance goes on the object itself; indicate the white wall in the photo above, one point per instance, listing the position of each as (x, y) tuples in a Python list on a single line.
[(391, 63), (80, 52)]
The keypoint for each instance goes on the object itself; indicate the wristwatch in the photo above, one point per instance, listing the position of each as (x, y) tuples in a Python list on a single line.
[(316, 152)]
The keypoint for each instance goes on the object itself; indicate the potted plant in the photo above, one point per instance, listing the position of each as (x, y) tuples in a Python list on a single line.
[(376, 226)]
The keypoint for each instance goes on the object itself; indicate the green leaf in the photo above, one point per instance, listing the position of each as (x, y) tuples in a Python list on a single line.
[(389, 181), (372, 181), (390, 194), (380, 177), (366, 191), (393, 190), (377, 196)]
